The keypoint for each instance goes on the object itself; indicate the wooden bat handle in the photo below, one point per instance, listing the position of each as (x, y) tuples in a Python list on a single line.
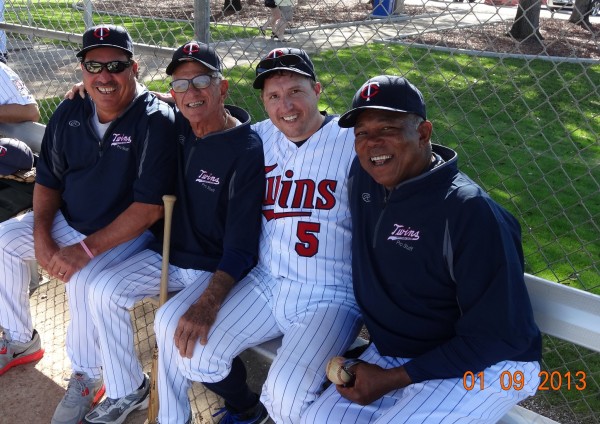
[(169, 202)]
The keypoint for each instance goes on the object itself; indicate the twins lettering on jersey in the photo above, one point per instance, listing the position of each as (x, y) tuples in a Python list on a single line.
[(298, 198), (121, 141), (400, 233), (207, 179), (296, 194)]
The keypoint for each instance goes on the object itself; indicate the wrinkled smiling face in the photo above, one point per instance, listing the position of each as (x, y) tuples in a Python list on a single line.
[(201, 106), (291, 101), (392, 146), (111, 93)]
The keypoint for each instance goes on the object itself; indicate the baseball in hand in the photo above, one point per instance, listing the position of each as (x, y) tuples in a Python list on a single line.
[(336, 373)]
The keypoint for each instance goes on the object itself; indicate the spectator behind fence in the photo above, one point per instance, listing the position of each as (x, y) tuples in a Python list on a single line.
[(3, 46), (283, 19), (301, 288), (105, 163), (438, 275), (17, 104)]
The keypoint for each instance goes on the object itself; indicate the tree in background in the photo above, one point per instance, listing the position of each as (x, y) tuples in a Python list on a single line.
[(526, 26), (232, 6), (582, 9)]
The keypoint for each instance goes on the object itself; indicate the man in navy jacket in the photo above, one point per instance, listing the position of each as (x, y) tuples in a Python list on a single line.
[(438, 275)]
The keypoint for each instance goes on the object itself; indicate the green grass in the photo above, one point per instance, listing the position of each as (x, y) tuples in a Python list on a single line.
[(60, 15)]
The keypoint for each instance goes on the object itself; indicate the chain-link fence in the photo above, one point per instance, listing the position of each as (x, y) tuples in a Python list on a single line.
[(523, 115)]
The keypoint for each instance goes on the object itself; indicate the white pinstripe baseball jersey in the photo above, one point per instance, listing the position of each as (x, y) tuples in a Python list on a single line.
[(306, 218)]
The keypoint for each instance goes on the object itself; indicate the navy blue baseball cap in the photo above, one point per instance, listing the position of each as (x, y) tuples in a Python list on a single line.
[(14, 156), (284, 59), (198, 52), (106, 36), (385, 92)]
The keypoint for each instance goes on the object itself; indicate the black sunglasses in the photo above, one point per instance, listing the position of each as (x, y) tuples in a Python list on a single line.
[(114, 67), (285, 61), (200, 81)]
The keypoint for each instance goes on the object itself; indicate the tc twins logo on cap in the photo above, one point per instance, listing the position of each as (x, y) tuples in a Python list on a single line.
[(106, 36), (101, 32), (369, 90), (191, 48), (385, 92), (198, 52)]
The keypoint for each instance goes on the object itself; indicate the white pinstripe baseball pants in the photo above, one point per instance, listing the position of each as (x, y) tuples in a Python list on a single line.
[(17, 247), (430, 402), (318, 322), (112, 294)]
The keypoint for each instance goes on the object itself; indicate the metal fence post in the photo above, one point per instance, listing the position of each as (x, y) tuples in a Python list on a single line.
[(87, 13), (202, 20)]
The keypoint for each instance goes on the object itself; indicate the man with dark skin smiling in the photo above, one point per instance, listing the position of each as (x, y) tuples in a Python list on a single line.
[(105, 163), (438, 276)]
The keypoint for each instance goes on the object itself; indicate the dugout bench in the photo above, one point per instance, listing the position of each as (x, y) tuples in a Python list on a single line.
[(560, 311)]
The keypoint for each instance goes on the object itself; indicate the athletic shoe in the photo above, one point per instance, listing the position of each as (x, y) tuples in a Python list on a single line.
[(14, 353), (116, 410), (256, 415), (83, 393)]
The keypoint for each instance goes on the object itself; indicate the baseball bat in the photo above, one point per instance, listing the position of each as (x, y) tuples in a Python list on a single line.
[(169, 201)]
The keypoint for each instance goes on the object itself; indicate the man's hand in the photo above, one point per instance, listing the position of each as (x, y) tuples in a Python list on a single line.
[(165, 97), (67, 261), (372, 382), (199, 318), (77, 89), (195, 324), (45, 248)]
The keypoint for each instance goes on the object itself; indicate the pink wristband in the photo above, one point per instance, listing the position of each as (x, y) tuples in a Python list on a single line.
[(87, 250)]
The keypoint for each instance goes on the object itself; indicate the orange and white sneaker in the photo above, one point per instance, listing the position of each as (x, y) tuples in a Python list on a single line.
[(13, 353)]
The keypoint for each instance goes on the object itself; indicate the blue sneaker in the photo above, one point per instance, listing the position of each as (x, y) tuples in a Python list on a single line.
[(256, 415)]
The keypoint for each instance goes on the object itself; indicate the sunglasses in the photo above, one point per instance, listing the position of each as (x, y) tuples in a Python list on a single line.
[(285, 61), (200, 81), (113, 67)]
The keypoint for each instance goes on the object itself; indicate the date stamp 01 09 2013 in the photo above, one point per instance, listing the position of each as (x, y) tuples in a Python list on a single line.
[(553, 381)]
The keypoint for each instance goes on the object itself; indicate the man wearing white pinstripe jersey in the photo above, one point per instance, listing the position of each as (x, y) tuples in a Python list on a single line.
[(301, 288), (438, 275)]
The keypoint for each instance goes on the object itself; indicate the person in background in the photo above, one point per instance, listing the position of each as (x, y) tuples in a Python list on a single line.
[(17, 104), (438, 275), (3, 46), (284, 18)]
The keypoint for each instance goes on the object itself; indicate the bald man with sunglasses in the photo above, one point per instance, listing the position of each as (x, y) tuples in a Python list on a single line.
[(105, 163)]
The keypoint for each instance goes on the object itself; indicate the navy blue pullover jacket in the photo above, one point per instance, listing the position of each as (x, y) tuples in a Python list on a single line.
[(220, 188), (100, 178), (438, 273)]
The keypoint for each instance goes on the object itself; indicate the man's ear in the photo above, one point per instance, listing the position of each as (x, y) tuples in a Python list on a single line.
[(425, 130)]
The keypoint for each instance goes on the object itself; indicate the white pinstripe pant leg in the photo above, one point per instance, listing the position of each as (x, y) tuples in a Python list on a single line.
[(16, 247), (82, 336), (318, 322), (112, 294), (244, 320), (430, 402)]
